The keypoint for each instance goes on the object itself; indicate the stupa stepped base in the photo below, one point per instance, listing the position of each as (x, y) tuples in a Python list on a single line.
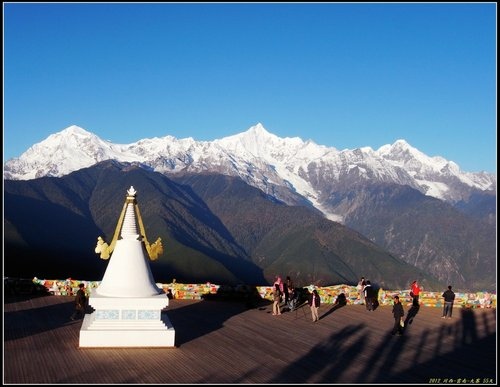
[(158, 333), (127, 322)]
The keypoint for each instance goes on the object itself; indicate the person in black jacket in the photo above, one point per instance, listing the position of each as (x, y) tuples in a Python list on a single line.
[(287, 289), (449, 298), (341, 300), (314, 303), (369, 296), (398, 313), (80, 303)]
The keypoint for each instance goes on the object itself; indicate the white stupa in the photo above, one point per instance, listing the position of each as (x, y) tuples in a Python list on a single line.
[(128, 304)]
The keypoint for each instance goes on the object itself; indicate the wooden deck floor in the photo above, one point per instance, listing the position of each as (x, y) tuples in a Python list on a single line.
[(220, 342)]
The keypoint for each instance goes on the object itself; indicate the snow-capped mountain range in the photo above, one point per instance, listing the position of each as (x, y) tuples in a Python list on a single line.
[(273, 164)]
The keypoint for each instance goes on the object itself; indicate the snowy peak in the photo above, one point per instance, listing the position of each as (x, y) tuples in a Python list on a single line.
[(61, 153), (251, 143), (399, 150), (259, 143), (258, 131), (260, 158), (75, 130), (69, 139), (404, 155), (71, 133)]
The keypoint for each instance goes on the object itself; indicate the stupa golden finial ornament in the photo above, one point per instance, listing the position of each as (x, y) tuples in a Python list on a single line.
[(154, 250), (131, 191)]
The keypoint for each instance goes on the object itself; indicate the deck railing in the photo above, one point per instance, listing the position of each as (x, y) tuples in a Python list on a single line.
[(328, 294)]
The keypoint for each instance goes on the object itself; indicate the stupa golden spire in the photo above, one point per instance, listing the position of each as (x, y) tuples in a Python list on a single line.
[(126, 224)]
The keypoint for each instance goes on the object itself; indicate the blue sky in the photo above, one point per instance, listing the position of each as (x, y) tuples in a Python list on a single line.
[(344, 75)]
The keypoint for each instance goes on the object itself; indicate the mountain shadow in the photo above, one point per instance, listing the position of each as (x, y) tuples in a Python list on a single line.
[(87, 203)]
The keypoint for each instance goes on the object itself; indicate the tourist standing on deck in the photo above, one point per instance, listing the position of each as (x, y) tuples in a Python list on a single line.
[(398, 313), (361, 289), (314, 303), (287, 289), (279, 281), (415, 292), (276, 300), (449, 298), (80, 303), (369, 296)]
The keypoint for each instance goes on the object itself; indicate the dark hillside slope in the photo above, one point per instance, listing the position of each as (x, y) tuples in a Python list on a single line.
[(296, 241), (425, 232), (52, 225)]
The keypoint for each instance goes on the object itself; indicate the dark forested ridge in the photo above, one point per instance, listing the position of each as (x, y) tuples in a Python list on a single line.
[(213, 227)]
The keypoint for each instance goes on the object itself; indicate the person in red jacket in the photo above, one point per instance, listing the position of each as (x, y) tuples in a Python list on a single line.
[(415, 292)]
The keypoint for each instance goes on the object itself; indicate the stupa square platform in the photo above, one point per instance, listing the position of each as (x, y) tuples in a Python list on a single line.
[(127, 322)]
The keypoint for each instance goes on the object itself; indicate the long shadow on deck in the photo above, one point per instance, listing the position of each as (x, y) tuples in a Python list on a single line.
[(194, 326), (31, 321), (470, 359)]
